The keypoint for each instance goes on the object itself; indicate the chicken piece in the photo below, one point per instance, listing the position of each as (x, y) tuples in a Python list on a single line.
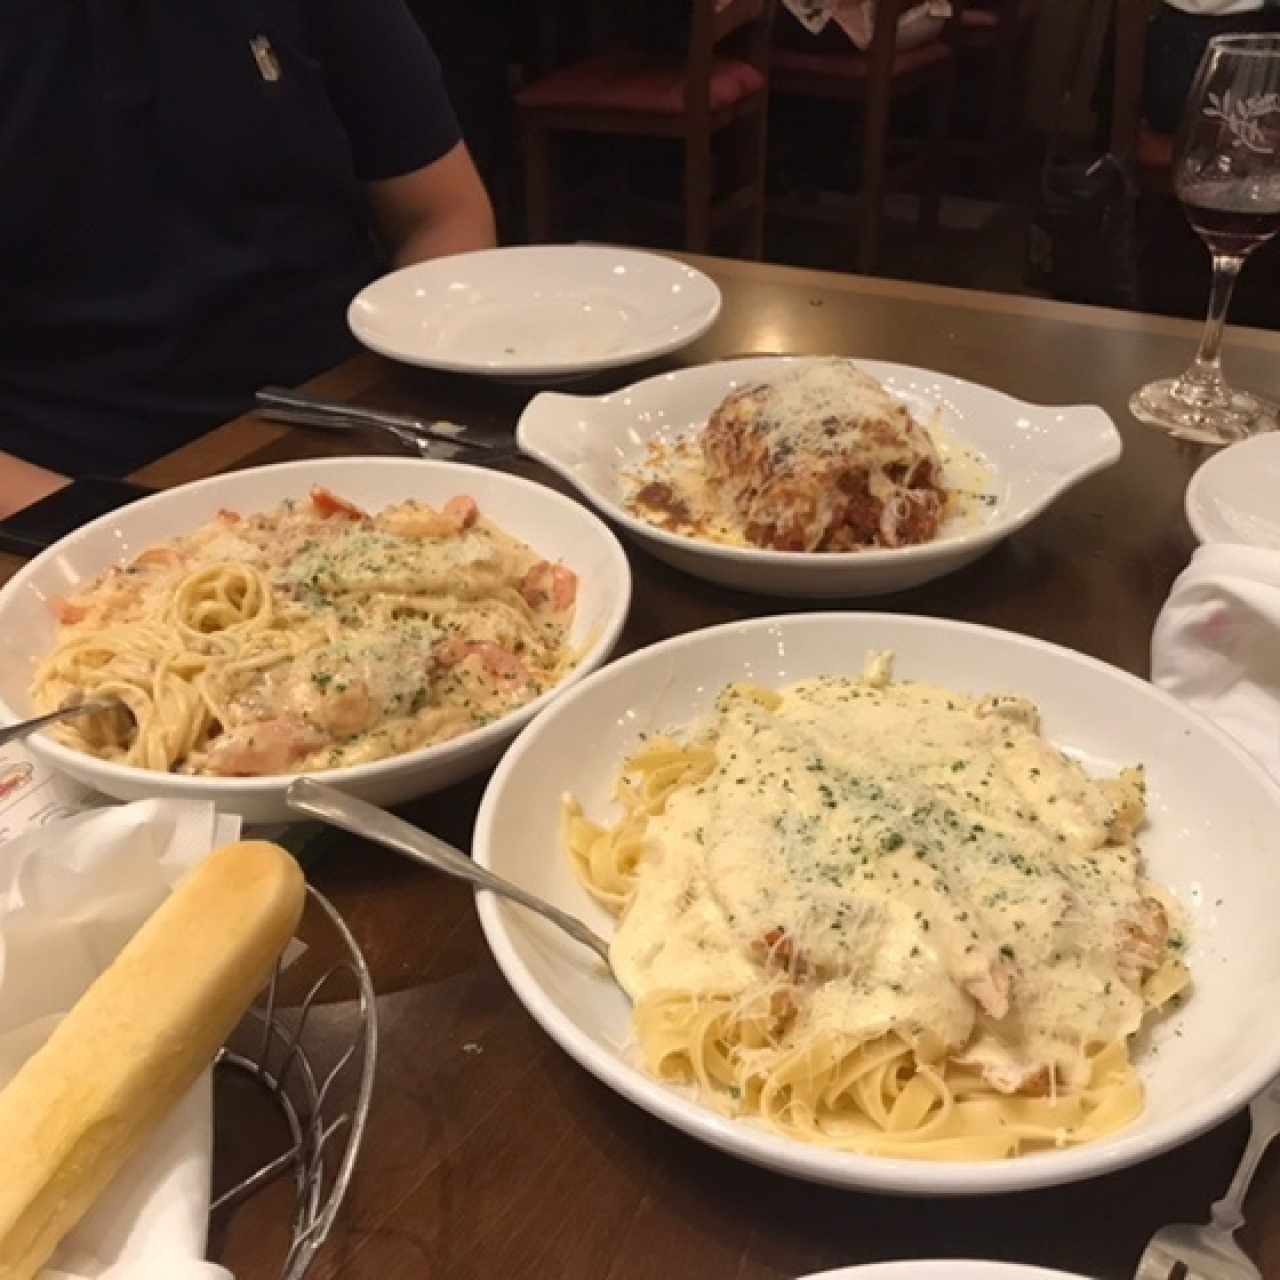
[(989, 985), (1141, 941), (1014, 1077), (1128, 794), (262, 748), (1011, 709), (777, 951), (548, 583)]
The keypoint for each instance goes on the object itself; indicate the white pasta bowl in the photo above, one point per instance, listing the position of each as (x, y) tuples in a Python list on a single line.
[(1036, 454), (554, 526), (944, 1269), (1231, 498), (1210, 838)]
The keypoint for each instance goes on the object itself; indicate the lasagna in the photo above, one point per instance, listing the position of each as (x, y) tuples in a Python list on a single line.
[(822, 458)]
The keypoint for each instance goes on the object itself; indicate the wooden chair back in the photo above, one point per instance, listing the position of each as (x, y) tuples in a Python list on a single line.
[(711, 23)]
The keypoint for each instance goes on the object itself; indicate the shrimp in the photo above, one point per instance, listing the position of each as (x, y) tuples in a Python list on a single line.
[(549, 582), (344, 709), (498, 662), (265, 747), (327, 503), (66, 612), (419, 521), (159, 557), (462, 509)]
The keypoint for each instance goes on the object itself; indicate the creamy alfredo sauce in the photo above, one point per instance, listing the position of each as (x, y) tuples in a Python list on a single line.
[(373, 689), (935, 867), (378, 634)]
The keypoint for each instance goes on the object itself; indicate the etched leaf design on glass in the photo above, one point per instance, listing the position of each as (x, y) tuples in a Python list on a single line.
[(1241, 117)]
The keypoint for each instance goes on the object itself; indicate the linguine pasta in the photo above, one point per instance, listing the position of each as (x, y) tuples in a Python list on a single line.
[(310, 637)]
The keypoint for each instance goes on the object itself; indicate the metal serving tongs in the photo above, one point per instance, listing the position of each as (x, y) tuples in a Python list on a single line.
[(429, 438)]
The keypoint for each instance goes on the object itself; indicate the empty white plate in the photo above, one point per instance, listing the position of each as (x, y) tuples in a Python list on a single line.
[(1035, 454), (944, 1269), (1233, 497), (535, 311)]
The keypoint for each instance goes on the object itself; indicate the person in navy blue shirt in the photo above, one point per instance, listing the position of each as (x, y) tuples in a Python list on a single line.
[(193, 194)]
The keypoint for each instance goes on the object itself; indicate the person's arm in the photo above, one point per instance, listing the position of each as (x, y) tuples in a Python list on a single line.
[(425, 196), (22, 483), (439, 209)]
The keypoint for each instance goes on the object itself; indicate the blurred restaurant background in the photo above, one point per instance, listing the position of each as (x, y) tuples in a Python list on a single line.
[(988, 144)]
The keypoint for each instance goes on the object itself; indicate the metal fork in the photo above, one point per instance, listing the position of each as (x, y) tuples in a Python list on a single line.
[(429, 438), (107, 704), (1210, 1252)]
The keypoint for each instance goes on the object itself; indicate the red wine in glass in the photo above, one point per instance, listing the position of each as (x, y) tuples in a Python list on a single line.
[(1226, 171), (1232, 217)]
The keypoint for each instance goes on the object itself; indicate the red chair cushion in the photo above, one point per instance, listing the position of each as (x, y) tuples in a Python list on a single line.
[(794, 63), (634, 82)]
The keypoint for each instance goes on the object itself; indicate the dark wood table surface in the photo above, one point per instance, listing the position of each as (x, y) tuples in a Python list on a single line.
[(489, 1152)]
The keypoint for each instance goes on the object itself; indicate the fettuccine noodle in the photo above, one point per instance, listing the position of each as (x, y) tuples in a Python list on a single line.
[(886, 918)]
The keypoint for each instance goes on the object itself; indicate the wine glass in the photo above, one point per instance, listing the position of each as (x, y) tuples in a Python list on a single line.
[(1227, 175)]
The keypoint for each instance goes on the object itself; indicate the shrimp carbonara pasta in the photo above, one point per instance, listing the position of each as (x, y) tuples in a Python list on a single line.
[(884, 917), (310, 637)]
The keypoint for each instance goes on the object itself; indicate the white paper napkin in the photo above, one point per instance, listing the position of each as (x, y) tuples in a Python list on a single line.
[(920, 23), (33, 795), (1216, 644), (78, 889)]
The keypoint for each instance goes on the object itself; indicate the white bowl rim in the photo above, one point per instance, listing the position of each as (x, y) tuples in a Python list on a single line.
[(421, 757), (957, 1268), (1207, 530), (759, 1146), (545, 368), (939, 549)]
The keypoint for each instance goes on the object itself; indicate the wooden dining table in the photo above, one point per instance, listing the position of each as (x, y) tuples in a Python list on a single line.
[(489, 1152)]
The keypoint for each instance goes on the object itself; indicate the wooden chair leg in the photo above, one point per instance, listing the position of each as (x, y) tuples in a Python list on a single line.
[(934, 160), (752, 142), (697, 192), (535, 148), (875, 141)]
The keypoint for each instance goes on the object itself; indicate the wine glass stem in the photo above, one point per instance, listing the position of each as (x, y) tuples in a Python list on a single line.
[(1226, 267)]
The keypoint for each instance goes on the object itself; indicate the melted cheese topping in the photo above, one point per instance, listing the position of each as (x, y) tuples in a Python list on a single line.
[(793, 444), (796, 410), (903, 859)]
